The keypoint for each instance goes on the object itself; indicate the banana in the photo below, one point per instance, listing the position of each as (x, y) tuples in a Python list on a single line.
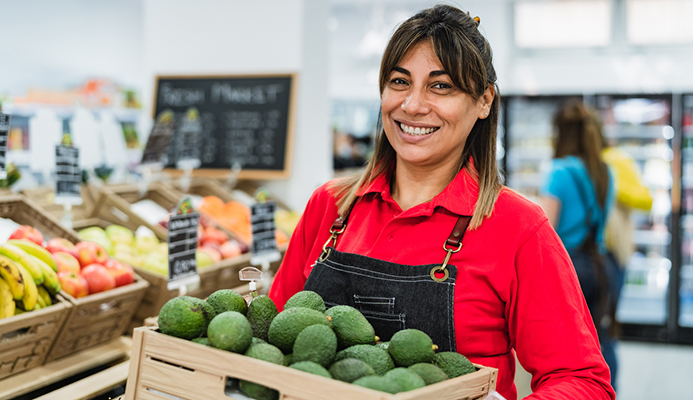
[(10, 272), (18, 311), (30, 297), (20, 257), (50, 278), (7, 305), (36, 251), (43, 297)]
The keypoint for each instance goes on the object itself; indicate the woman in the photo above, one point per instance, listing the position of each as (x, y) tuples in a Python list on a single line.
[(428, 238), (576, 197)]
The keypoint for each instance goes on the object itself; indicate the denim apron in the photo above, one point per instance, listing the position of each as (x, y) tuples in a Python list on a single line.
[(392, 296)]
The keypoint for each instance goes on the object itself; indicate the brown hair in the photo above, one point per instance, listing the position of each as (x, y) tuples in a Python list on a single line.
[(578, 133), (467, 58)]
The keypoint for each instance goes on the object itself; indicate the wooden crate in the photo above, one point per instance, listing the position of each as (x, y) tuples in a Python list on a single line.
[(26, 339), (162, 367), (113, 205), (201, 187), (44, 197), (98, 318), (24, 211)]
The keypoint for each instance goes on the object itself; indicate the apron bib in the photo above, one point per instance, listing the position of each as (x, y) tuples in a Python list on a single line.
[(392, 296)]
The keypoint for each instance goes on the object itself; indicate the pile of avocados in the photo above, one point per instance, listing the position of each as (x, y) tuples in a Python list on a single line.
[(336, 343)]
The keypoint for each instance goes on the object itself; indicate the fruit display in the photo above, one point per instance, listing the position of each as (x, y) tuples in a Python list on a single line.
[(235, 217), (337, 343), (28, 274), (143, 249)]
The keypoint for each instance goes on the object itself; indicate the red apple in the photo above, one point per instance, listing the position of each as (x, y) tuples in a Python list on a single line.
[(213, 253), (120, 271), (90, 253), (230, 249), (98, 278), (74, 284), (216, 235), (212, 244), (29, 233), (66, 262), (61, 245)]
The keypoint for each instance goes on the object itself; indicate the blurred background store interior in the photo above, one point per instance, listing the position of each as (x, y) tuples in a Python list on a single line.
[(630, 59)]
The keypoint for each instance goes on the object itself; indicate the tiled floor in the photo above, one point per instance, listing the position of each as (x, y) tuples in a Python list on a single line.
[(648, 371)]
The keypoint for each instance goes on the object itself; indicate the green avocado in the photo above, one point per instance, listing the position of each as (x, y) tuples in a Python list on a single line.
[(351, 326), (453, 364), (429, 373), (377, 358), (311, 367), (261, 312), (380, 383), (407, 379), (227, 300), (350, 369), (411, 346), (286, 326), (230, 331), (316, 343), (307, 299), (185, 317)]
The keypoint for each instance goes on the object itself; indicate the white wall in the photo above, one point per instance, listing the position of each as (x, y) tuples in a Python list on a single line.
[(229, 37), (60, 44)]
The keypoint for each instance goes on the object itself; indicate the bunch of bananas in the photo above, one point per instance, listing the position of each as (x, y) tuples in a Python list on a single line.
[(28, 277)]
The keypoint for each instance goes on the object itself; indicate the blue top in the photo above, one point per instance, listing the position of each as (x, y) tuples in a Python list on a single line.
[(562, 184)]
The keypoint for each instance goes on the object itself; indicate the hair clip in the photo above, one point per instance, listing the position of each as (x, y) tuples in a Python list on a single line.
[(476, 19)]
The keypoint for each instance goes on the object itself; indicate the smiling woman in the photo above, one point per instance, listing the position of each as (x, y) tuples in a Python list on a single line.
[(428, 235)]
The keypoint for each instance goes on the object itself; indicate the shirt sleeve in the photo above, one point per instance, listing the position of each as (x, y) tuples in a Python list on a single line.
[(550, 326), (304, 246), (555, 183)]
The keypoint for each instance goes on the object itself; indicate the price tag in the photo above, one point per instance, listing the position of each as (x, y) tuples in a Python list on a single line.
[(159, 139), (4, 132), (69, 176), (182, 245), (264, 245)]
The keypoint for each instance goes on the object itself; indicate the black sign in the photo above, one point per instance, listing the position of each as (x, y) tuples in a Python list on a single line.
[(4, 132), (69, 175), (185, 145), (244, 119), (159, 139), (182, 245), (262, 222)]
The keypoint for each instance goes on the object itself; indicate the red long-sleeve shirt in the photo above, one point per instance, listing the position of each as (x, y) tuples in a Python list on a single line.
[(516, 288)]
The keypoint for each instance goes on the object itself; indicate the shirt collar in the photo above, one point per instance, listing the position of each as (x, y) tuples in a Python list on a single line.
[(459, 197)]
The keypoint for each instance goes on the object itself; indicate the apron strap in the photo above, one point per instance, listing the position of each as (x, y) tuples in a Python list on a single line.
[(453, 244)]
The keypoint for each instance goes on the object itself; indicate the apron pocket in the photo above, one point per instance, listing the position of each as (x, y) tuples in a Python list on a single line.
[(384, 305), (385, 325)]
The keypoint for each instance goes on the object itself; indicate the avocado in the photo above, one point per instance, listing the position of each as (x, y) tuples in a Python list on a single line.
[(379, 383), (203, 340), (316, 343), (351, 326), (411, 346), (453, 364), (230, 331), (311, 367), (406, 378), (227, 300), (350, 369), (261, 312), (257, 391), (377, 358), (429, 373), (256, 340), (185, 317), (307, 299), (266, 352), (286, 326)]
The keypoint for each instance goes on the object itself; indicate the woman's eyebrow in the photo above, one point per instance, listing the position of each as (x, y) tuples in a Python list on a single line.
[(431, 74)]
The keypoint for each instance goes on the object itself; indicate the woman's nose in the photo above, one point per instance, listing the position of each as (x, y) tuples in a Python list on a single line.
[(416, 103)]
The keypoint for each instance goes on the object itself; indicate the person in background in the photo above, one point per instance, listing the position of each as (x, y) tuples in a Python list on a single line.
[(426, 237), (577, 197), (630, 194)]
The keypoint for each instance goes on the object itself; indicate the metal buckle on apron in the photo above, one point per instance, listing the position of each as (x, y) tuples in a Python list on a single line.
[(442, 268), (337, 228)]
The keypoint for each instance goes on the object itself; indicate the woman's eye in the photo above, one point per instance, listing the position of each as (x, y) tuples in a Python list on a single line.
[(398, 81), (442, 85)]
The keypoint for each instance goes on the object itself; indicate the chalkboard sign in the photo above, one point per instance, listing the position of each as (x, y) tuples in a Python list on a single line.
[(244, 119), (264, 244), (182, 245), (69, 175), (4, 132), (159, 139)]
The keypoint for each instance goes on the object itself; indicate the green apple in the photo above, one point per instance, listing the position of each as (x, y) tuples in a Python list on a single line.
[(156, 263), (93, 232), (203, 259), (119, 234)]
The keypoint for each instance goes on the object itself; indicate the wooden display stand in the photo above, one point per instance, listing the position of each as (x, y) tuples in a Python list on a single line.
[(26, 339), (162, 366), (44, 197)]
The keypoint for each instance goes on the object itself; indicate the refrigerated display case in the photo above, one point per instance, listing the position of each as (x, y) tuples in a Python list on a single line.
[(528, 147), (685, 287), (642, 127)]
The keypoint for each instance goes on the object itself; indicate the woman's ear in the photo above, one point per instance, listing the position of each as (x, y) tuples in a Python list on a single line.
[(486, 100)]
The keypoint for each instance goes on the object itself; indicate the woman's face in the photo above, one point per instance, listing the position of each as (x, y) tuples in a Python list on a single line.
[(426, 118)]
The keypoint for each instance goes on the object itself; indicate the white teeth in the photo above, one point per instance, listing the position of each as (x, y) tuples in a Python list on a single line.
[(416, 131)]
